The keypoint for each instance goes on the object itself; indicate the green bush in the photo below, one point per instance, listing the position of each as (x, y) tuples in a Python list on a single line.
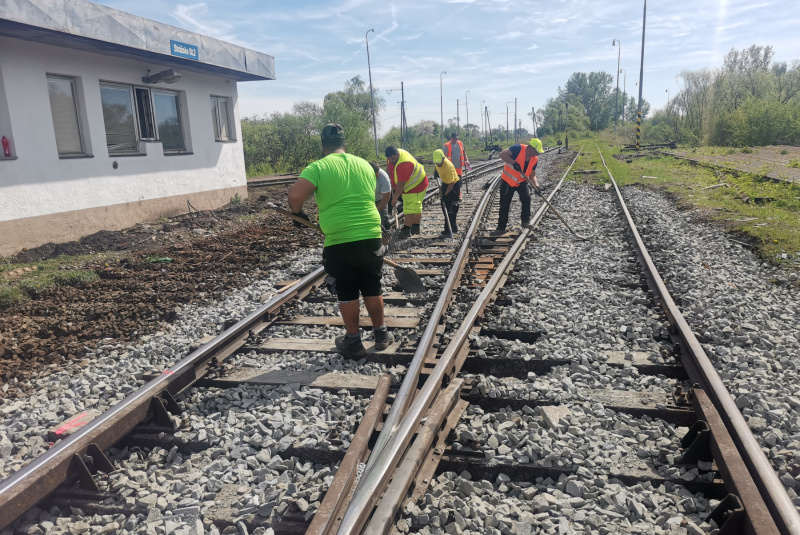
[(756, 122)]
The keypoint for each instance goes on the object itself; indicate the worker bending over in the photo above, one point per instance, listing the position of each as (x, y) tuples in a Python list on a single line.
[(520, 164), (410, 181)]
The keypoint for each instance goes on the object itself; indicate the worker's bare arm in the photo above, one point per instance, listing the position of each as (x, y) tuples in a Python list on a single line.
[(299, 192), (505, 155), (385, 198)]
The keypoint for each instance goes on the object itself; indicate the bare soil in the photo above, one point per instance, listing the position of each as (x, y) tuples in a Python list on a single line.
[(153, 268)]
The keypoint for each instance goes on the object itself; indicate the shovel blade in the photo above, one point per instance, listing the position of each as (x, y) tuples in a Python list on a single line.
[(409, 280)]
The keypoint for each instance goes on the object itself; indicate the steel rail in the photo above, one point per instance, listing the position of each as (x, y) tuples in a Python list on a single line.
[(373, 482), (32, 483), (403, 397), (775, 496), (337, 494), (426, 341), (381, 522)]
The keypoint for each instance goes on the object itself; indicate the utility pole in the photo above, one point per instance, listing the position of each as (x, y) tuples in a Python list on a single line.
[(372, 96), (403, 124), (533, 117), (515, 119), (566, 128), (483, 121), (466, 125), (624, 92), (403, 113), (616, 98), (458, 123), (516, 130), (441, 109), (488, 131), (641, 78), (506, 122)]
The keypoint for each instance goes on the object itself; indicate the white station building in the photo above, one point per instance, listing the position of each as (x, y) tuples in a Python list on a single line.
[(109, 119)]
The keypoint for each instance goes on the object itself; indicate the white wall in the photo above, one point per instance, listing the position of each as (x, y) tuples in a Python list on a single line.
[(39, 183)]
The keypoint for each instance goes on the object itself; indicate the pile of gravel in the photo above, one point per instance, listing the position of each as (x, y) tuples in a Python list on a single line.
[(456, 504), (112, 371)]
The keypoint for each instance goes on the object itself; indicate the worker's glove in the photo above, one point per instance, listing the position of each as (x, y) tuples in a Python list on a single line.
[(301, 215), (517, 167), (537, 191), (381, 250)]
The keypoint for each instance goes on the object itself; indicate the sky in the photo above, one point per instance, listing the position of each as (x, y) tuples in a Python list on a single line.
[(493, 51)]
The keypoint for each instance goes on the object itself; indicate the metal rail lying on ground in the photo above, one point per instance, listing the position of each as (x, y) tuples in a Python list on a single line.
[(781, 513)]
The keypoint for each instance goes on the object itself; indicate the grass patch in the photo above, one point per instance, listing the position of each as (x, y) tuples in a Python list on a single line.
[(794, 163), (20, 282), (771, 217)]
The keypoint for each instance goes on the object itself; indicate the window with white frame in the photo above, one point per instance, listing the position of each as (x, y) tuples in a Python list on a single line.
[(132, 114), (66, 118), (221, 116)]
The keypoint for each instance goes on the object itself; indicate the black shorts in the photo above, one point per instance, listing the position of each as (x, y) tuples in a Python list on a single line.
[(355, 267)]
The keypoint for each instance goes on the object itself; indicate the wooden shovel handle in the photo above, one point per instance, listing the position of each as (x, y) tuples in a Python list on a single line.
[(295, 217)]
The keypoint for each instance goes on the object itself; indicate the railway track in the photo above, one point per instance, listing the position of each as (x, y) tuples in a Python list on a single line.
[(277, 370)]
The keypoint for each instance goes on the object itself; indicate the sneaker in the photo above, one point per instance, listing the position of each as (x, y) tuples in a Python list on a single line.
[(383, 339), (350, 349), (446, 234), (497, 232), (405, 232)]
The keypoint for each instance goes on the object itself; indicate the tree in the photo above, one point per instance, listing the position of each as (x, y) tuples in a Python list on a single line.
[(352, 108)]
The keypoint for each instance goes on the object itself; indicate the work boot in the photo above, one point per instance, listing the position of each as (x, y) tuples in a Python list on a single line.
[(497, 232), (405, 232), (415, 229), (526, 224), (383, 339), (350, 349), (446, 234)]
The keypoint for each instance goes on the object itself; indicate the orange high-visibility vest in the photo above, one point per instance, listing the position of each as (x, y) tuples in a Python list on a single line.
[(459, 162), (513, 177)]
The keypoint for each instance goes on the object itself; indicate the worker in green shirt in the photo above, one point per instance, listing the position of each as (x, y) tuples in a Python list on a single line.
[(344, 188)]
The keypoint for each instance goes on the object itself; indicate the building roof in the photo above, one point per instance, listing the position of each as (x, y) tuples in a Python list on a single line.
[(84, 25)]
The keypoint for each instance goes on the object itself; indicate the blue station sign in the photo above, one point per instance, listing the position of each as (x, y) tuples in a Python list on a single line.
[(183, 50)]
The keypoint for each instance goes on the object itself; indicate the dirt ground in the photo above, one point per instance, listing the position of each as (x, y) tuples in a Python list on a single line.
[(766, 161), (152, 269)]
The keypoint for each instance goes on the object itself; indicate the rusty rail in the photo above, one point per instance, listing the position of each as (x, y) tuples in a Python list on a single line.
[(701, 370), (34, 482), (64, 462), (385, 460)]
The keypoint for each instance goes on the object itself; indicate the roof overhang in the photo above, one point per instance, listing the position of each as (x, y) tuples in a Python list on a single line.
[(83, 25)]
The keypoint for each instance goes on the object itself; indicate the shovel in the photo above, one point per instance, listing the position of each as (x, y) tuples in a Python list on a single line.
[(408, 278), (541, 196)]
